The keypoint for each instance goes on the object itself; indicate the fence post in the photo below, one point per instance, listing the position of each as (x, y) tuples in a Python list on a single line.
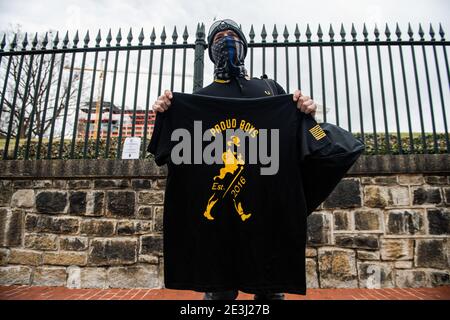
[(200, 47)]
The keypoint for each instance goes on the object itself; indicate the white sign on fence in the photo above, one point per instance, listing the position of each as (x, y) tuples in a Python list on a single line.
[(131, 148)]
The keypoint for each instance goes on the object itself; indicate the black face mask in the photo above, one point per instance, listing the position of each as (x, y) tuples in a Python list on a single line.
[(228, 54)]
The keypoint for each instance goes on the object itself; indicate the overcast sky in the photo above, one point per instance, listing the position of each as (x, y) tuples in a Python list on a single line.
[(43, 15)]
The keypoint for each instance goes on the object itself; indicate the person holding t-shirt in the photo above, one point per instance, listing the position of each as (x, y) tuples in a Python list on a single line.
[(227, 49)]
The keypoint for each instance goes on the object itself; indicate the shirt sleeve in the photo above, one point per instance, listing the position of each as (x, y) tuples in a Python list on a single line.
[(310, 135), (327, 152), (160, 144), (280, 89)]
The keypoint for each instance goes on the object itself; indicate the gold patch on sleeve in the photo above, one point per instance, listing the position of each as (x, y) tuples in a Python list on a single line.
[(317, 132)]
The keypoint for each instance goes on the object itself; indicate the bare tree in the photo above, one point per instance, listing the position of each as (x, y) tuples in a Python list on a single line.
[(37, 103)]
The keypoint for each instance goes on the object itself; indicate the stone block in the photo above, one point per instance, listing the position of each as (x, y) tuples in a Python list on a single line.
[(97, 227), (141, 276), (337, 268), (151, 244), (405, 222), (51, 202), (113, 251), (25, 257), (375, 275), (438, 221), (41, 241), (367, 220), (11, 227), (397, 249), (319, 229), (312, 280), (15, 275), (426, 195), (58, 225), (23, 198), (73, 243), (358, 241), (432, 253), (347, 194), (65, 258), (342, 220), (151, 197), (121, 203), (50, 276)]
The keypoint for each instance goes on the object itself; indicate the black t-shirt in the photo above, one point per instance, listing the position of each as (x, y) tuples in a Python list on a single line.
[(227, 226)]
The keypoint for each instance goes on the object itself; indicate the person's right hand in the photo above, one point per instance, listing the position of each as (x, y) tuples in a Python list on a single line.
[(163, 102)]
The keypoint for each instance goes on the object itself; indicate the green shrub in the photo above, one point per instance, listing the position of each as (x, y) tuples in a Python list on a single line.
[(79, 146)]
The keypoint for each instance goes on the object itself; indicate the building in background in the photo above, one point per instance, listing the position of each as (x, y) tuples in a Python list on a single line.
[(127, 126)]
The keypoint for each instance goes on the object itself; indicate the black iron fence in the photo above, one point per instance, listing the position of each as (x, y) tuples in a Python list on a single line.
[(72, 101)]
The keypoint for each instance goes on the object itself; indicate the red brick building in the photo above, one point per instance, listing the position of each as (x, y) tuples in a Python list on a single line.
[(127, 127)]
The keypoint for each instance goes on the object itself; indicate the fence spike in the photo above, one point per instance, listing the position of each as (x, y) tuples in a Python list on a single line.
[(274, 33), (441, 32), (66, 40), (185, 34), (76, 39), (202, 28), (308, 33), (3, 43), (398, 32), (342, 32), (432, 33), (331, 33), (34, 42), (163, 35), (387, 32), (25, 41), (56, 40), (198, 29), (297, 33), (108, 38), (410, 32), (13, 43), (365, 33), (252, 34), (86, 39), (353, 32), (153, 37), (45, 41), (129, 37), (174, 35), (263, 33), (286, 34), (119, 37), (376, 32), (320, 33), (98, 39), (141, 37), (421, 33)]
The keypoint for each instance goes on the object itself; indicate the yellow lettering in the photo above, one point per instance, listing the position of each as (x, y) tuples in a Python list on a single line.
[(217, 186), (242, 124)]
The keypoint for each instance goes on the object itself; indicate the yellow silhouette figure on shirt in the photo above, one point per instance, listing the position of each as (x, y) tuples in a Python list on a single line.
[(233, 164)]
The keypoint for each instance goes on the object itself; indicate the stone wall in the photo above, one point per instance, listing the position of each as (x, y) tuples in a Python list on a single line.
[(383, 231), (98, 224)]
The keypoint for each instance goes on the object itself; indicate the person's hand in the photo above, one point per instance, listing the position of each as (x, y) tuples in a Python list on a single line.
[(163, 102), (305, 103)]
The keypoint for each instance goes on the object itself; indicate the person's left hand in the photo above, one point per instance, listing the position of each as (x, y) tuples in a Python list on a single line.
[(305, 103)]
